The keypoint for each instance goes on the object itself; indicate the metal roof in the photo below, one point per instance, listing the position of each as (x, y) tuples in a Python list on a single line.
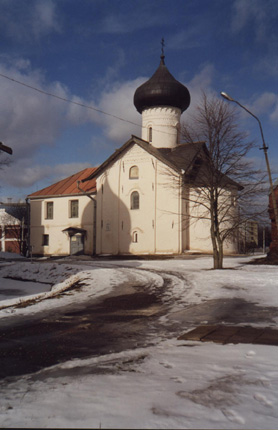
[(179, 158), (162, 89), (68, 186), (182, 159)]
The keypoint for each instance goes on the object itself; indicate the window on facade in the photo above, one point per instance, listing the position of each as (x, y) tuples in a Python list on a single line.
[(134, 172), (74, 209), (49, 210), (134, 200), (45, 239), (150, 134), (135, 237), (196, 167)]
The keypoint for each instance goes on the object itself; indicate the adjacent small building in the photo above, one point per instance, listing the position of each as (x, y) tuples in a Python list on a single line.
[(13, 227), (62, 217)]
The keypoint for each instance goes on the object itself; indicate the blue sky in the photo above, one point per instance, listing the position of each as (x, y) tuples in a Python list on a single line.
[(97, 52)]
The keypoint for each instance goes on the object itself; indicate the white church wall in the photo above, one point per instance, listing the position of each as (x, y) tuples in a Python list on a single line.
[(117, 224), (154, 227), (168, 212), (161, 223), (59, 242), (164, 122), (200, 239), (107, 210)]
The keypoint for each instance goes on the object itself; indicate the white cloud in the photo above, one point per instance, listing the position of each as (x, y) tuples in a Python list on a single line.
[(44, 19), (22, 173), (24, 21), (139, 17), (201, 82), (119, 102), (192, 37), (256, 13), (29, 119), (274, 114), (265, 104)]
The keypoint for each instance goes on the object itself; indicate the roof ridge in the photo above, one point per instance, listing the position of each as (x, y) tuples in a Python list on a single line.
[(66, 186)]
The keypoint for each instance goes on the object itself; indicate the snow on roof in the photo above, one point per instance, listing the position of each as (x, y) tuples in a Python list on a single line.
[(68, 185)]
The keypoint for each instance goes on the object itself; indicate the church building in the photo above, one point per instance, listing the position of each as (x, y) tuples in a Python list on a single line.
[(144, 192)]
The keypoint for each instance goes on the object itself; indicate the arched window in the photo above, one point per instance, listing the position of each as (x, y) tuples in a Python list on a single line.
[(150, 134), (135, 237), (134, 172), (134, 200)]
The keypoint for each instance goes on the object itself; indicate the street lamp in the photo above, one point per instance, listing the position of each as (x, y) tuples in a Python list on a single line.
[(5, 148), (265, 148)]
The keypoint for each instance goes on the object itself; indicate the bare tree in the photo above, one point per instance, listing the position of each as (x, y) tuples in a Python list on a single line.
[(225, 183)]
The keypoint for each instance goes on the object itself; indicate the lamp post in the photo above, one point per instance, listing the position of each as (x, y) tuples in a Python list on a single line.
[(5, 148), (265, 148)]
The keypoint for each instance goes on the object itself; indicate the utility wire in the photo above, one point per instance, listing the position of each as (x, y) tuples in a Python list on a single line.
[(77, 103), (66, 100)]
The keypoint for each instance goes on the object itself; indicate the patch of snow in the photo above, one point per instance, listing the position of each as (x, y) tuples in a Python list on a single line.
[(165, 386), (172, 384)]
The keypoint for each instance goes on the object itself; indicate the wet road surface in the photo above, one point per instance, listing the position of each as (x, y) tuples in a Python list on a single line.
[(111, 325), (127, 318)]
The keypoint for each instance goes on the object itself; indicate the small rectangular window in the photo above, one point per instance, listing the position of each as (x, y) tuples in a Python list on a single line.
[(150, 134), (45, 239), (49, 210), (134, 172), (74, 209), (134, 200)]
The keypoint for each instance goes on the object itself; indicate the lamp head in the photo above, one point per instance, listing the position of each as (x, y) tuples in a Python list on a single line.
[(227, 97)]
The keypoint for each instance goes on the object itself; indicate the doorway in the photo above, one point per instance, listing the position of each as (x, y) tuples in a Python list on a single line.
[(77, 244)]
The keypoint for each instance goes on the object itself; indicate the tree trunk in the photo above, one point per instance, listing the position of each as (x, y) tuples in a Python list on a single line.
[(217, 243)]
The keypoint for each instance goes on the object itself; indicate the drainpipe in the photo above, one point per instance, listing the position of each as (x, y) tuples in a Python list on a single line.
[(95, 216)]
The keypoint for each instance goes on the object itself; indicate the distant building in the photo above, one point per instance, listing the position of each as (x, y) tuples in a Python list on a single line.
[(274, 232), (13, 227), (248, 236), (62, 217)]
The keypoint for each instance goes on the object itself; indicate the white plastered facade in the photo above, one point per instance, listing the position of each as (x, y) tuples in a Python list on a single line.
[(166, 221), (152, 228), (163, 124), (59, 241)]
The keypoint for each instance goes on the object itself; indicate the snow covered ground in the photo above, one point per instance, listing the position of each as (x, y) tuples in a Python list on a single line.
[(172, 384)]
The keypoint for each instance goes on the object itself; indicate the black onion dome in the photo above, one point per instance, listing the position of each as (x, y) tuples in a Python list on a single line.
[(162, 89)]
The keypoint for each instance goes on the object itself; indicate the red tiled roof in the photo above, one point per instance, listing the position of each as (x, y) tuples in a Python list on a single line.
[(69, 185)]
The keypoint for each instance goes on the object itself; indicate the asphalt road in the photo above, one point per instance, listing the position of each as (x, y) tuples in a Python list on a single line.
[(112, 324), (127, 318)]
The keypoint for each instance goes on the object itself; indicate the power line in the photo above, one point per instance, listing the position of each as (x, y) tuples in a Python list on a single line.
[(68, 100), (77, 103)]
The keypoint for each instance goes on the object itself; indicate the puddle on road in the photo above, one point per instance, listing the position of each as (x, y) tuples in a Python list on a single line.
[(18, 288)]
